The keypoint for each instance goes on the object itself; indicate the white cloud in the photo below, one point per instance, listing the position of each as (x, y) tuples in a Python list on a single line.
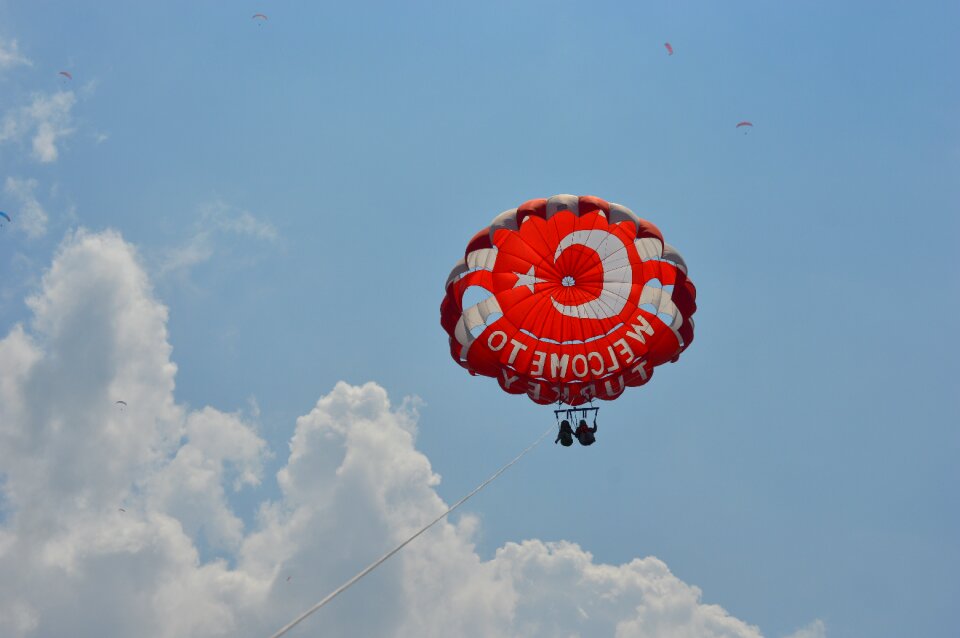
[(181, 259), (31, 217), (216, 220), (353, 486), (816, 629), (73, 564), (11, 57), (244, 223), (220, 216), (46, 120), (190, 487)]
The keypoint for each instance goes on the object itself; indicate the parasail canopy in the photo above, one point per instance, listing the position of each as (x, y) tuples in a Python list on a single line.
[(568, 299)]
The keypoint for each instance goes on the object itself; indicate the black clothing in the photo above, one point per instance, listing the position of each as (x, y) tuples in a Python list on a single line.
[(565, 436), (585, 434)]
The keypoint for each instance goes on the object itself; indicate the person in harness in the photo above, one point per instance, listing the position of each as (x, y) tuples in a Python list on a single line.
[(585, 434), (565, 436)]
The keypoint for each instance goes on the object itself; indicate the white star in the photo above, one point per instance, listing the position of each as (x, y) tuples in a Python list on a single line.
[(528, 279)]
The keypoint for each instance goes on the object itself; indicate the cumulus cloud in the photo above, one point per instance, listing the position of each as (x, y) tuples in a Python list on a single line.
[(45, 121), (10, 55), (816, 629), (73, 563), (31, 217), (352, 486)]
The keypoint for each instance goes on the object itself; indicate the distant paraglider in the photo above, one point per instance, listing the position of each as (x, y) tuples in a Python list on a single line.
[(260, 18), (746, 126), (121, 404), (3, 215), (668, 47), (66, 74)]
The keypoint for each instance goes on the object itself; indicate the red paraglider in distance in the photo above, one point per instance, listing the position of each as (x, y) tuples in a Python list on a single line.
[(259, 16), (66, 74), (668, 47)]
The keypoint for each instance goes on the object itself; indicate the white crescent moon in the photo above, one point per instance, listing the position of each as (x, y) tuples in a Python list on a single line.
[(617, 274)]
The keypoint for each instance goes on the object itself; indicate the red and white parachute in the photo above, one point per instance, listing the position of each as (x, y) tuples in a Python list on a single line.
[(568, 299)]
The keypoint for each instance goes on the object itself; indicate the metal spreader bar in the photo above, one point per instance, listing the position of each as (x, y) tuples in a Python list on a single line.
[(572, 413)]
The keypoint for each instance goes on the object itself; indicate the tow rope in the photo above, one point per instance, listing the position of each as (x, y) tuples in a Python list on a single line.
[(372, 566)]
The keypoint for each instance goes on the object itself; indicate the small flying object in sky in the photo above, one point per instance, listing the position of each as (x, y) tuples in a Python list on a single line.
[(745, 125), (5, 216), (121, 509), (668, 47), (66, 74), (261, 18)]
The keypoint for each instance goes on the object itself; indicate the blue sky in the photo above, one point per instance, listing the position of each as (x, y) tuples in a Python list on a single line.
[(298, 190)]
